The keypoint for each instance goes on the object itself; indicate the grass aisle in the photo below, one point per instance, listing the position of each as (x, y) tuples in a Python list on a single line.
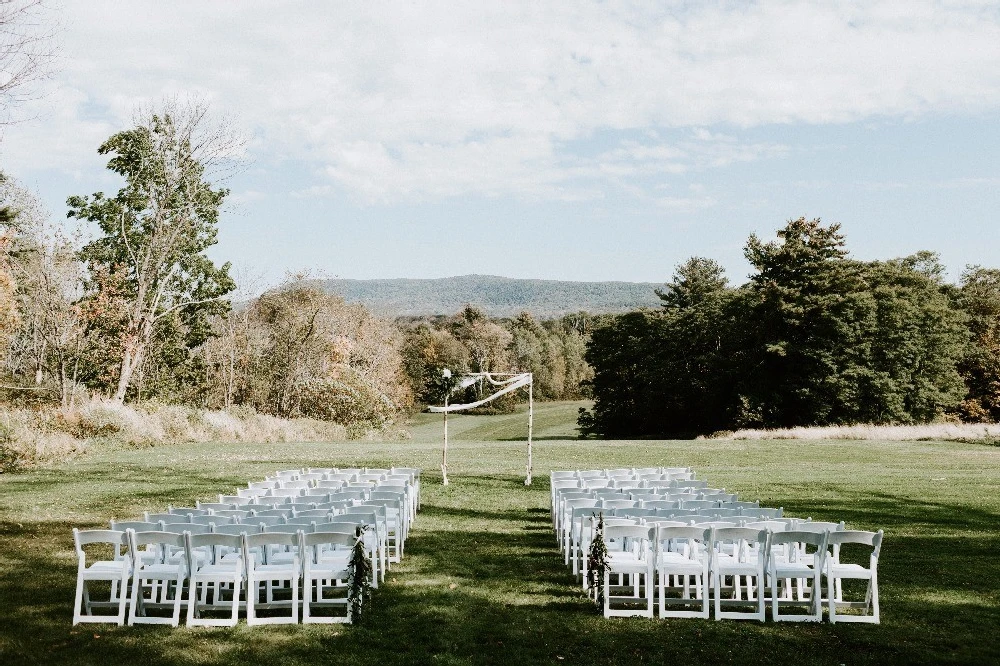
[(482, 581)]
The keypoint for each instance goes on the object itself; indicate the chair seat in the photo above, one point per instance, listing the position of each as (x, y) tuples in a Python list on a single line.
[(322, 572), (850, 571), (276, 570), (224, 570), (159, 570), (793, 570)]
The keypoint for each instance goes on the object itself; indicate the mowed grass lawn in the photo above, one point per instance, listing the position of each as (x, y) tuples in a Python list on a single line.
[(482, 581)]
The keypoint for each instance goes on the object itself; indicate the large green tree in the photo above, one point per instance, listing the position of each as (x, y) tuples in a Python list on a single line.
[(155, 232), (980, 299)]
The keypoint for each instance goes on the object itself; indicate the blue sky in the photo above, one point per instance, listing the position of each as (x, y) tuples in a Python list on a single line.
[(579, 141)]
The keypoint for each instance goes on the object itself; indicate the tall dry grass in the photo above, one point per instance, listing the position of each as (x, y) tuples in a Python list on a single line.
[(930, 431), (33, 436)]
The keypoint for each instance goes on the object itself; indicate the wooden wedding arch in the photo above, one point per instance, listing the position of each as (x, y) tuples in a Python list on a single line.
[(504, 383)]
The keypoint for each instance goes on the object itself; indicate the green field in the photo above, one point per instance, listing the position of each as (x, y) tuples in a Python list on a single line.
[(482, 581)]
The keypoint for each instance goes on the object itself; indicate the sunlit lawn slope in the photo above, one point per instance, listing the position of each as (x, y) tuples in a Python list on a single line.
[(489, 537)]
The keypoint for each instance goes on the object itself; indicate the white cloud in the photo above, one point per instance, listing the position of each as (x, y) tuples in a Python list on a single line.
[(413, 102)]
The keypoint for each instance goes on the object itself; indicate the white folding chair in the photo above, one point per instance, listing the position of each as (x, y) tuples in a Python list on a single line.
[(326, 560), (214, 572), (630, 553), (161, 573), (738, 553), (682, 553), (836, 571), (788, 561), (273, 576), (116, 571)]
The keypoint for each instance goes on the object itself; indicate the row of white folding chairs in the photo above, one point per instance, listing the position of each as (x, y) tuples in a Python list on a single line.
[(575, 542), (620, 472), (261, 495), (361, 516), (694, 562), (316, 475), (679, 480), (317, 561), (566, 499), (585, 526), (399, 518)]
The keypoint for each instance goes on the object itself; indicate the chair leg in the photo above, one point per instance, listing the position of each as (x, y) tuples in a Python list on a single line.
[(178, 599), (78, 600)]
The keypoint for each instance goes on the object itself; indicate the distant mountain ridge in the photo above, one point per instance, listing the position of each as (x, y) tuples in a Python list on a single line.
[(497, 296)]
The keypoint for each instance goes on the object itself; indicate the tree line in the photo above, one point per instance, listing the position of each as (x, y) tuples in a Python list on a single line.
[(470, 341), (814, 337)]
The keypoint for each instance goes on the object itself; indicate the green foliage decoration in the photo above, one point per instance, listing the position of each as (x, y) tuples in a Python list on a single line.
[(359, 585), (597, 562)]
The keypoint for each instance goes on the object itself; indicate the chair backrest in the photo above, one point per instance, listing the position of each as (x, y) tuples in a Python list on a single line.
[(311, 543), (239, 500), (664, 522), (235, 514), (347, 527), (569, 505), (726, 512), (622, 537), (348, 493), (873, 539), (819, 526), (708, 524), (395, 495), (262, 485), (634, 512), (661, 504), (310, 513), (766, 513), (186, 510), (690, 483), (270, 539), (156, 517), (287, 528), (801, 539), (286, 492), (769, 525), (331, 484), (698, 504), (747, 540), (311, 476), (115, 538), (686, 533), (305, 520), (137, 525), (595, 483), (212, 520), (211, 542), (264, 513), (216, 506), (619, 504), (589, 473), (154, 537), (341, 477), (181, 528), (236, 529), (264, 520), (296, 485)]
